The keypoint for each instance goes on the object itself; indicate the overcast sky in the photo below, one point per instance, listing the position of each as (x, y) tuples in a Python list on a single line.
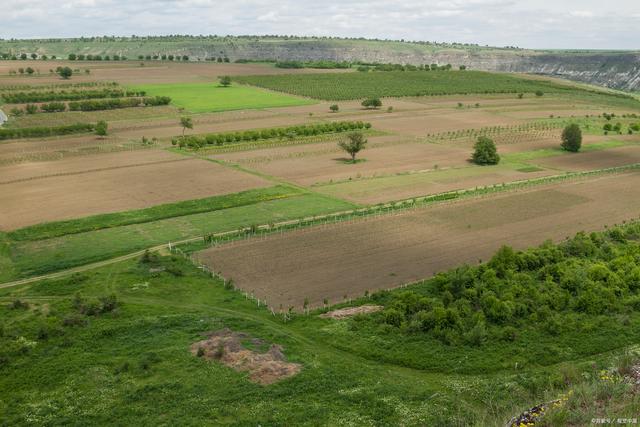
[(597, 24)]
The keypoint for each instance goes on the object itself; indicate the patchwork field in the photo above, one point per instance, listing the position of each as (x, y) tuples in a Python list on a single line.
[(103, 297), (384, 252), (65, 191)]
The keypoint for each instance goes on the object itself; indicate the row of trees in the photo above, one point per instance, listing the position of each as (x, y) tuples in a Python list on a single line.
[(67, 95), (24, 56), (219, 139), (92, 105), (36, 132)]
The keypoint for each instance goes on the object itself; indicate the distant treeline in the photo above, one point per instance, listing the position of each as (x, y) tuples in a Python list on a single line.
[(36, 132), (39, 96)]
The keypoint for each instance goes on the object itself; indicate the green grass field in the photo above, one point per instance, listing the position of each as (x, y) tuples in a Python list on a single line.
[(210, 97), (59, 364)]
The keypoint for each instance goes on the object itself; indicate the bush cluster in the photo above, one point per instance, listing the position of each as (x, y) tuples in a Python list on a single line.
[(552, 288), (34, 132), (115, 103), (219, 139)]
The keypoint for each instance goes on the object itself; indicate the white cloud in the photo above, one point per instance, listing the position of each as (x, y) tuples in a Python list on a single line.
[(533, 23)]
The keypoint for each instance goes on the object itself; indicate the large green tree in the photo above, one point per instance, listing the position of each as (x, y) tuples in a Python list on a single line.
[(485, 152), (354, 143), (572, 138)]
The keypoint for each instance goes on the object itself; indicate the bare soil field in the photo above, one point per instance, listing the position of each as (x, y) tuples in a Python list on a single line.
[(76, 165), (423, 123), (117, 189), (398, 187), (594, 160), (384, 252), (321, 163)]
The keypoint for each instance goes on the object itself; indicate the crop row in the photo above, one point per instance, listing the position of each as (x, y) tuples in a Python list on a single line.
[(345, 86), (39, 96), (35, 132), (220, 139)]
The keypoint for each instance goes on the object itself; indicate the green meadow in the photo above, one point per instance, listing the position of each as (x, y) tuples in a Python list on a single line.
[(211, 97)]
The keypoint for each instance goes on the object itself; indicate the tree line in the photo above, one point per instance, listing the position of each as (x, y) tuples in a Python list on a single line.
[(92, 105), (36, 132), (219, 139), (63, 95)]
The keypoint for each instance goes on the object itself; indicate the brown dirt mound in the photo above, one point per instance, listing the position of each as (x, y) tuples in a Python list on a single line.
[(227, 347), (343, 313)]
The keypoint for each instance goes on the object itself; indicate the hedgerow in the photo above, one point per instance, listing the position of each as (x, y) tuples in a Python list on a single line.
[(63, 95), (35, 132), (112, 104), (220, 139)]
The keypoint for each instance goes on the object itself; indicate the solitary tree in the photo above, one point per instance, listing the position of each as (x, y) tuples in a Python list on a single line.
[(186, 123), (65, 72), (485, 152), (334, 108), (372, 103), (572, 138), (225, 81), (354, 144), (101, 128)]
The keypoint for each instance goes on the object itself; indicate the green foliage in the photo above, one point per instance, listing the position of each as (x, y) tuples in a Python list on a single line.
[(355, 143), (12, 97), (372, 103), (35, 132), (553, 294), (336, 87), (65, 72), (572, 138), (196, 142), (225, 81), (101, 128), (485, 152)]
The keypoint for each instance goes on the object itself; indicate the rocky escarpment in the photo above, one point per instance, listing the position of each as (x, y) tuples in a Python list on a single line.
[(611, 69), (617, 70)]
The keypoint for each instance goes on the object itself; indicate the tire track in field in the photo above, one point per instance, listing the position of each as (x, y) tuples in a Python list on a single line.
[(55, 175)]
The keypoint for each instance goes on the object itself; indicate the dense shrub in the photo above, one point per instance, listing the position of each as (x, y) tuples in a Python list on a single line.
[(572, 138), (485, 152), (551, 289)]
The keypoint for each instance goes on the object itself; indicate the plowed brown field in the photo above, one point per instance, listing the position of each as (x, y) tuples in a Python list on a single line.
[(383, 252), (110, 183)]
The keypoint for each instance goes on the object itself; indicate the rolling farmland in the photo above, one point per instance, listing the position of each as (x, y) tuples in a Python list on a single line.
[(232, 217)]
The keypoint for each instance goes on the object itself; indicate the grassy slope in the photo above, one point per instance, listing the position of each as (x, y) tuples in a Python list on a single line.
[(208, 97), (134, 365)]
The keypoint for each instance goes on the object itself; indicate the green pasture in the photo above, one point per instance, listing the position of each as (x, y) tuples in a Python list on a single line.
[(211, 97)]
